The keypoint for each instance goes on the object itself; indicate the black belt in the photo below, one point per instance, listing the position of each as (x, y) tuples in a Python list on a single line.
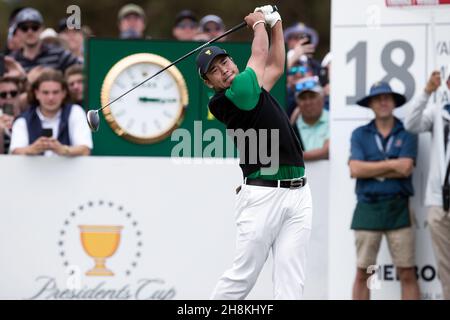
[(292, 184)]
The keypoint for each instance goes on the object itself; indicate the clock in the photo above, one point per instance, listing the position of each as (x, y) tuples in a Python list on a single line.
[(149, 113)]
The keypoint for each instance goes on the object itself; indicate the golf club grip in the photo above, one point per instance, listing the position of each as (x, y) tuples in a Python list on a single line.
[(239, 26)]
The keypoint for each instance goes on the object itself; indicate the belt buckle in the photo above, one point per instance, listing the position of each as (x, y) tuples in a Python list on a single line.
[(296, 184)]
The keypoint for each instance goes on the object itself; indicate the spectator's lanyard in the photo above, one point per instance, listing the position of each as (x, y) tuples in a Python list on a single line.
[(380, 145)]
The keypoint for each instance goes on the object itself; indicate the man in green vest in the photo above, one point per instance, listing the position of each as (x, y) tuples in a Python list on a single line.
[(382, 159)]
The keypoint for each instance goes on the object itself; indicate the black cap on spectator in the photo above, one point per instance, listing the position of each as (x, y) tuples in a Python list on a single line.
[(185, 14), (62, 25)]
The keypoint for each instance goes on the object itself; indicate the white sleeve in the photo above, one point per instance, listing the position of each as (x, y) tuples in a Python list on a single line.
[(79, 132), (419, 118), (19, 135)]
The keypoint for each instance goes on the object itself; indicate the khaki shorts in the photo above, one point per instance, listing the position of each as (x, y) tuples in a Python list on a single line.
[(400, 242)]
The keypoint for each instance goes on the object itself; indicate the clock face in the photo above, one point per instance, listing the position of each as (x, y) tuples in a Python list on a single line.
[(150, 112)]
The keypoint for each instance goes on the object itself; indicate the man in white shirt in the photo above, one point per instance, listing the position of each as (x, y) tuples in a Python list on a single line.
[(51, 126), (435, 119)]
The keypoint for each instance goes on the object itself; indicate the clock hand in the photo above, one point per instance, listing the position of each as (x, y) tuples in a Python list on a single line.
[(161, 100)]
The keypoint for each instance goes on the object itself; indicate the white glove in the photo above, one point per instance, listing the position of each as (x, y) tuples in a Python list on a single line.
[(270, 16)]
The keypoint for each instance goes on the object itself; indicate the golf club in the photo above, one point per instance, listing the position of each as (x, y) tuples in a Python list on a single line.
[(93, 117)]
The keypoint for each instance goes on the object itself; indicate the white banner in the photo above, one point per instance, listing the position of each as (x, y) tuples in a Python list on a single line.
[(370, 43), (129, 228)]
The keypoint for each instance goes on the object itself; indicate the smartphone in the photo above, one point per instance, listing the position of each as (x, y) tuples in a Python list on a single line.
[(2, 64), (47, 132), (307, 36), (323, 76)]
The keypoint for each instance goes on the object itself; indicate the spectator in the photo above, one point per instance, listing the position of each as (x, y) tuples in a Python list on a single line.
[(50, 37), (311, 120), (186, 26), (131, 23), (29, 26), (51, 126), (9, 109), (14, 71), (74, 79), (13, 42), (211, 26), (72, 39), (382, 159), (436, 120), (301, 42), (295, 73)]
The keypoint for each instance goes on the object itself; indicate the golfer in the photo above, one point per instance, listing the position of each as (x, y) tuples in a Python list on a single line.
[(273, 209)]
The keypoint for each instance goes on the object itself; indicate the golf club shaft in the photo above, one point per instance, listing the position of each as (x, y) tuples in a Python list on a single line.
[(239, 26)]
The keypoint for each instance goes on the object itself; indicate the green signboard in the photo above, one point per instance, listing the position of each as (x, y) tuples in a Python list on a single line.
[(103, 54)]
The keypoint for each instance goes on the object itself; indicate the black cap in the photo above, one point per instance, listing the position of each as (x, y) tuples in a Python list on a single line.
[(206, 56), (185, 14), (62, 24)]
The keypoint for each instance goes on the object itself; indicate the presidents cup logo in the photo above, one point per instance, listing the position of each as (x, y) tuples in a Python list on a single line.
[(100, 246), (97, 230)]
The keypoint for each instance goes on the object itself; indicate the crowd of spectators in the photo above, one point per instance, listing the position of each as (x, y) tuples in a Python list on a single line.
[(34, 49)]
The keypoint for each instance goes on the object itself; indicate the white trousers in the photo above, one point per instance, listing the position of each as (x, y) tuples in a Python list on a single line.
[(269, 218)]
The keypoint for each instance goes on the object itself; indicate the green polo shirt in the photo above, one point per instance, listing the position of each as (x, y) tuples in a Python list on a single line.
[(314, 136)]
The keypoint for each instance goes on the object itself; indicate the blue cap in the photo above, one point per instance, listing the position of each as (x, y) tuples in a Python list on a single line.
[(308, 84), (379, 88)]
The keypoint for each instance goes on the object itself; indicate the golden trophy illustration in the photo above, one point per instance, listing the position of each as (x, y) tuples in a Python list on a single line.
[(100, 242)]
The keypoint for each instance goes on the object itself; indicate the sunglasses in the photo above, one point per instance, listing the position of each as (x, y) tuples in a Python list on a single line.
[(187, 25), (12, 94), (305, 85), (25, 27), (298, 69), (218, 28)]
